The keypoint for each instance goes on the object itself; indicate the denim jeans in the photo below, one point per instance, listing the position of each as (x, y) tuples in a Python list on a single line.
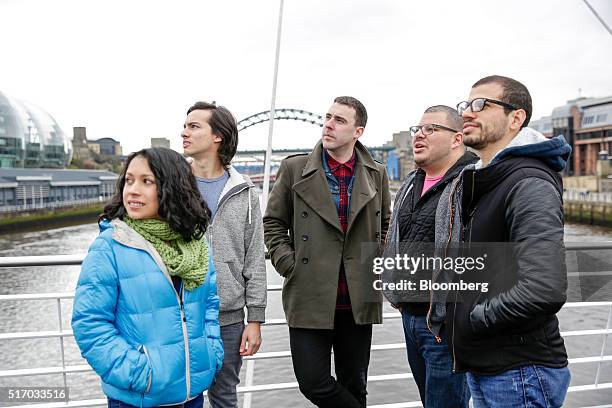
[(530, 386), (222, 393), (431, 365), (194, 403)]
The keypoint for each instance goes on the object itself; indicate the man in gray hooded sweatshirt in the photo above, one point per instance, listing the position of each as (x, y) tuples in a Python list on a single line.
[(235, 234)]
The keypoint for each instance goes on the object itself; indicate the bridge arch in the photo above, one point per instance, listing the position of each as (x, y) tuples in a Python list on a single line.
[(281, 114)]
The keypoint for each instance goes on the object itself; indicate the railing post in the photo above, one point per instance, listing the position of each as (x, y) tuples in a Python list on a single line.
[(603, 347), (250, 373), (61, 340)]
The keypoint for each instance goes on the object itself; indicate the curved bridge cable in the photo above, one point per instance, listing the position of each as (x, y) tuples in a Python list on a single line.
[(281, 114)]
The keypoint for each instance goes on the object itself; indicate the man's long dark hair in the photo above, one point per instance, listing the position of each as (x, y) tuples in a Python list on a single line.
[(180, 202), (223, 124)]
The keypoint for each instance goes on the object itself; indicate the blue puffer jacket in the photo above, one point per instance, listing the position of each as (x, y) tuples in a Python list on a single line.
[(131, 328)]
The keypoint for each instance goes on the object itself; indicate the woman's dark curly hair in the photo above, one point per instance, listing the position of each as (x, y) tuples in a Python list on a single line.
[(180, 202)]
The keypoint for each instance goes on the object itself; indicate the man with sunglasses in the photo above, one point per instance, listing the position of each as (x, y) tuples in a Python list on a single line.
[(508, 339), (439, 153)]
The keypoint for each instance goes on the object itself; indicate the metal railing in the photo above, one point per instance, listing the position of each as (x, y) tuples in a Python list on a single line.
[(36, 206), (248, 389), (587, 196)]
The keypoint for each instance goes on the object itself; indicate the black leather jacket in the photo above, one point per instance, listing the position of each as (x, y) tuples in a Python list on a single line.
[(516, 201)]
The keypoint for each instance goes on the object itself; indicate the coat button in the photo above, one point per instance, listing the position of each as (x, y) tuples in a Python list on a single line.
[(304, 237), (304, 214), (304, 261)]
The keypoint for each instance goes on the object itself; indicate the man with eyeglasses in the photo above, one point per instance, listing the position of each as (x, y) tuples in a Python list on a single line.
[(439, 153), (508, 339)]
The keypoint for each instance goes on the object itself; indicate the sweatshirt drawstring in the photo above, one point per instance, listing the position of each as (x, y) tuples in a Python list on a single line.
[(250, 207)]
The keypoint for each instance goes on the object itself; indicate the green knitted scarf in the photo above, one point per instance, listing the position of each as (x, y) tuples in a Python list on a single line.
[(187, 259)]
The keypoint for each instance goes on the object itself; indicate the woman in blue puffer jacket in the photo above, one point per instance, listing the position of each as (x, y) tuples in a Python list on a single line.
[(146, 307)]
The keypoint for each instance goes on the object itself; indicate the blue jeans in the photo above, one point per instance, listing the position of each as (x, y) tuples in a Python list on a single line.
[(194, 403), (530, 386), (222, 392), (431, 364)]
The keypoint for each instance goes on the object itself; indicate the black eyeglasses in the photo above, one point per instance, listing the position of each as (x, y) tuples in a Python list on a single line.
[(428, 128), (478, 104)]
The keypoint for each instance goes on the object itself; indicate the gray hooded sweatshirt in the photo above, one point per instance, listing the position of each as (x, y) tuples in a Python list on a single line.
[(236, 238)]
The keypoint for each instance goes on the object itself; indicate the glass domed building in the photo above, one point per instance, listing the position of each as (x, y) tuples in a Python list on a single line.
[(30, 137)]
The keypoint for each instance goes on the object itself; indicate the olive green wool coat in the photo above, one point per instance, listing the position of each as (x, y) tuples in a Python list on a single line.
[(307, 245)]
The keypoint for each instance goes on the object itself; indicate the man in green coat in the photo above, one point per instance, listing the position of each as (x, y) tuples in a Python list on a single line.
[(325, 208)]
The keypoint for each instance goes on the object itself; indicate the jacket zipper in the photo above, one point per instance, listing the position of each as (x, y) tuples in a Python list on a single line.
[(211, 225), (457, 291), (453, 335), (184, 326), (438, 338), (428, 317), (150, 380), (148, 249)]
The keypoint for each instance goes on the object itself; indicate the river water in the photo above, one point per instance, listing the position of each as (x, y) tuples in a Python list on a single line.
[(18, 316)]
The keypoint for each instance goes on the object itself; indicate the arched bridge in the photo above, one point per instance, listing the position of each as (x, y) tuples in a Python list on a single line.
[(281, 114)]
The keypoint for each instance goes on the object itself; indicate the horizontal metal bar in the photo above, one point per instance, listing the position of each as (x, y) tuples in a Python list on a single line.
[(97, 402), (285, 354), (39, 296), (389, 377), (270, 322), (571, 305), (398, 405), (36, 335), (267, 387), (293, 385), (590, 387), (269, 355), (600, 406), (584, 274), (582, 360), (25, 372), (586, 332), (49, 260), (69, 333), (71, 404), (588, 246), (259, 356), (85, 367), (70, 295), (41, 260)]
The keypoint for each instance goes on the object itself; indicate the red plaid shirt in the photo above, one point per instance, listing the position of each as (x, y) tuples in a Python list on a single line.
[(343, 172)]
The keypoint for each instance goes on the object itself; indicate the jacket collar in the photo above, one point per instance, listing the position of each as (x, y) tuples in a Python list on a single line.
[(314, 190), (235, 182), (467, 158), (333, 164), (123, 234), (362, 157)]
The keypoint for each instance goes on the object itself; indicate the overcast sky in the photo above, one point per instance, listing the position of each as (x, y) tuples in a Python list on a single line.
[(130, 69)]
